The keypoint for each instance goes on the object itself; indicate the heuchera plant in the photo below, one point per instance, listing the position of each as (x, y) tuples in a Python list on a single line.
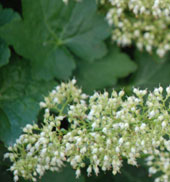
[(142, 22), (103, 129)]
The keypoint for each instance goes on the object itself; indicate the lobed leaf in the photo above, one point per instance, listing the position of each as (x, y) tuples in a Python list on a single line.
[(151, 72), (53, 31), (104, 72), (19, 98), (6, 16)]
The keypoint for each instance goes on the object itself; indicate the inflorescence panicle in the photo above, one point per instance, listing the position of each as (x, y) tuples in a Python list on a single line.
[(103, 128), (146, 23)]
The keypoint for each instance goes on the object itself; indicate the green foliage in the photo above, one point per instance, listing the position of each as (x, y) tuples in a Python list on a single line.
[(5, 53), (19, 97), (151, 72), (6, 16), (4, 165), (127, 174), (46, 42), (4, 125), (56, 32), (104, 72), (63, 175)]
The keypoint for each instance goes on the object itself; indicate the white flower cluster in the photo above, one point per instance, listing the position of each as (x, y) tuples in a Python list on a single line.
[(144, 22), (103, 128)]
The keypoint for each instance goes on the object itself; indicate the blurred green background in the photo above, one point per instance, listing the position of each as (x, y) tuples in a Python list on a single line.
[(44, 42)]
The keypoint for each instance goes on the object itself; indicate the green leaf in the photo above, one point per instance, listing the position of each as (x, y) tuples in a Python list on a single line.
[(51, 31), (5, 174), (151, 72), (64, 175), (19, 97), (5, 125), (128, 173), (86, 30), (4, 53), (104, 72), (6, 15)]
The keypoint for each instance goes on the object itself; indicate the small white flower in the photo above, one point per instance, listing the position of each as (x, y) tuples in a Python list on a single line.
[(106, 158), (94, 151), (117, 149), (94, 157), (104, 130), (73, 81), (133, 150), (163, 124), (56, 100), (168, 90), (6, 155), (16, 178), (83, 150), (143, 125), (78, 172), (161, 52), (89, 170), (120, 141), (152, 170), (42, 104)]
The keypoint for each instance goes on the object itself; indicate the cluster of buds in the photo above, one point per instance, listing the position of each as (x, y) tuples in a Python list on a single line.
[(103, 128), (145, 23)]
